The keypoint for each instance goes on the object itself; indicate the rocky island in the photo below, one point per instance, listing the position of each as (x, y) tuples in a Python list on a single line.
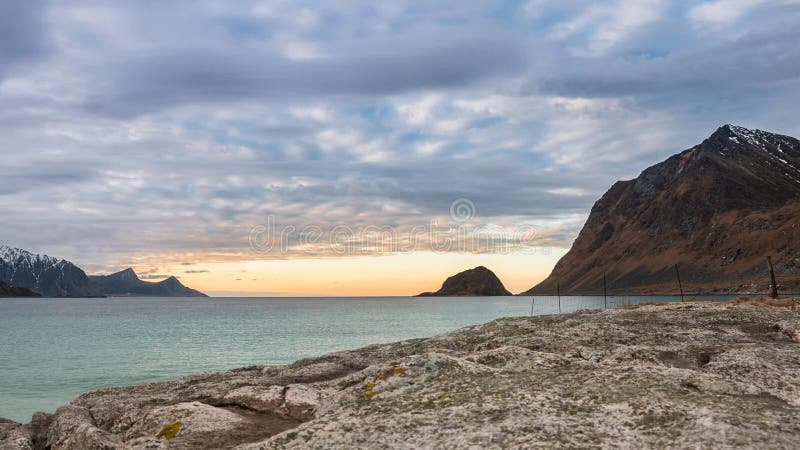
[(690, 375), (479, 281)]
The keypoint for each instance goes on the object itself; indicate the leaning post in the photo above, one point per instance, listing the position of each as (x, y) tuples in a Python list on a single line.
[(678, 275), (773, 290)]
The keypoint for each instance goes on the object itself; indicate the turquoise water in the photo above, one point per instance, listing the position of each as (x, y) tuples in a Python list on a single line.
[(54, 349)]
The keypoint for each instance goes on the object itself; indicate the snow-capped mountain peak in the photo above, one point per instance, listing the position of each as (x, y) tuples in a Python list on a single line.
[(14, 254), (752, 137), (44, 274)]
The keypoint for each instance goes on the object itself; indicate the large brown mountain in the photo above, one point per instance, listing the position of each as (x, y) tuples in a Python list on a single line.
[(717, 210)]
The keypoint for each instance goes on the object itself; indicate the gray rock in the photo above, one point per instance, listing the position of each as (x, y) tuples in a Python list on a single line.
[(15, 436)]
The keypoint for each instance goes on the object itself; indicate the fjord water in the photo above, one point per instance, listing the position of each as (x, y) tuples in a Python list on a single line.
[(55, 349)]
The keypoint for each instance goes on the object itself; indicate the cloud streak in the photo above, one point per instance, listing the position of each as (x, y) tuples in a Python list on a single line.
[(153, 82)]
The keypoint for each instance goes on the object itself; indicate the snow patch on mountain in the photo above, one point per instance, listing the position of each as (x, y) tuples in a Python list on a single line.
[(752, 137), (42, 273)]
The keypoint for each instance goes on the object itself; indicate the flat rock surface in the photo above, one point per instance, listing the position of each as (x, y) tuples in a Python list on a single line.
[(687, 375)]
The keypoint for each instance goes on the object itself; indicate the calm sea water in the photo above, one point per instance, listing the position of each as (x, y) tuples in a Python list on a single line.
[(51, 350)]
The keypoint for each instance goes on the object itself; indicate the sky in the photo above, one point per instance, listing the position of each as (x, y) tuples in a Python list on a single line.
[(359, 147)]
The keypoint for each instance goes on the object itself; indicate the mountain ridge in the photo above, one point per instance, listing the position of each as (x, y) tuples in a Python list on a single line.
[(127, 283), (716, 210), (54, 277)]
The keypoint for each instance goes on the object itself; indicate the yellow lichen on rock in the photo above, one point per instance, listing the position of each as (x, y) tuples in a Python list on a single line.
[(169, 431), (370, 392)]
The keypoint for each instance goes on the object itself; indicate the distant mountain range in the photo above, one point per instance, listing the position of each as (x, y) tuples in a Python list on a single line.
[(716, 210), (127, 283), (479, 281), (53, 277)]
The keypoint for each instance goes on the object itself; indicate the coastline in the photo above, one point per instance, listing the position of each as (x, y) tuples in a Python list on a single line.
[(675, 374)]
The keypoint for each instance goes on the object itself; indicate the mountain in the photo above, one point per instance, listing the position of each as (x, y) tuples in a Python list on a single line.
[(54, 277), (44, 274), (15, 291), (479, 281), (717, 210), (127, 283)]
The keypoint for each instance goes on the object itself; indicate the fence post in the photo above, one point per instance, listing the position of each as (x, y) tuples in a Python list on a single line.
[(605, 292), (533, 300), (680, 285), (558, 292), (773, 291)]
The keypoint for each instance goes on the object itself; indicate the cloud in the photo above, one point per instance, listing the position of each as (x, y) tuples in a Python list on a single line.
[(722, 11), (23, 35), (25, 178), (134, 133), (719, 67), (607, 25), (154, 276), (154, 81)]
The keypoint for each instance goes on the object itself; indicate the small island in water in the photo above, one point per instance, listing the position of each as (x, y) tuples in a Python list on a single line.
[(479, 281)]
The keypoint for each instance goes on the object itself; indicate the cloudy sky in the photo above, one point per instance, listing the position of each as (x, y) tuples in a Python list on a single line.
[(185, 137)]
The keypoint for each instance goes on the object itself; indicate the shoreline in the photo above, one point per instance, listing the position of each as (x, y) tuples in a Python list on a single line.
[(523, 381)]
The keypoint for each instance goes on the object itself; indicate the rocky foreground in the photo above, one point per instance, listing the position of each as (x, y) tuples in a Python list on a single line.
[(697, 375)]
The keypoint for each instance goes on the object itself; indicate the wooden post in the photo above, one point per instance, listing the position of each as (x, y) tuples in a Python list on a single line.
[(533, 300), (678, 275), (558, 292), (605, 292), (773, 291)]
